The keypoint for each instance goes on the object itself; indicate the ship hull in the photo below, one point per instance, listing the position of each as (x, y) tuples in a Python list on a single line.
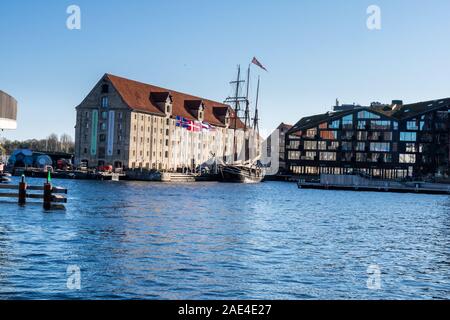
[(240, 174)]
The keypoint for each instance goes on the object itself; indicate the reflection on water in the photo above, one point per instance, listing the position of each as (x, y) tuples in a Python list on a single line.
[(225, 241)]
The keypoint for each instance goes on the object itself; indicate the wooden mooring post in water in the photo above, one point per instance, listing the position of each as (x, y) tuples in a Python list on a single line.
[(51, 196)]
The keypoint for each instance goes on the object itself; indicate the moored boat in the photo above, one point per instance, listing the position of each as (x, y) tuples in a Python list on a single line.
[(5, 178), (241, 173)]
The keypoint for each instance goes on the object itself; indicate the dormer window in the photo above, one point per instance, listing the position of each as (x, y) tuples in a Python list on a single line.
[(168, 109), (105, 102), (200, 115)]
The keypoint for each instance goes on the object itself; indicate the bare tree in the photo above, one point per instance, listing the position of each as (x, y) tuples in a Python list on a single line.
[(52, 143), (66, 142)]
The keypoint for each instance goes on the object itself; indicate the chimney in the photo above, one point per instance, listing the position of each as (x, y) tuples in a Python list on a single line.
[(396, 104)]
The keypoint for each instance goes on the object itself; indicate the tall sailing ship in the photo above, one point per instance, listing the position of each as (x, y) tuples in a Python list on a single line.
[(243, 169)]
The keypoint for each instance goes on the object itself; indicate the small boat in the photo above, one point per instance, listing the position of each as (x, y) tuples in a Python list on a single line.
[(5, 178), (241, 173)]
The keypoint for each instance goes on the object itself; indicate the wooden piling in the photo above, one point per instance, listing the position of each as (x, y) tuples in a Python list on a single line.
[(47, 196), (22, 192), (51, 196)]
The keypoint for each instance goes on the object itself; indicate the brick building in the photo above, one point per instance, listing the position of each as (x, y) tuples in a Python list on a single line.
[(129, 124)]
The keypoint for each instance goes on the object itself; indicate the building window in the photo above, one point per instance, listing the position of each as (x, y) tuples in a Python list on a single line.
[(346, 146), (294, 155), (361, 135), (395, 125), (103, 126), (311, 133), (322, 145), (293, 144), (380, 125), (361, 157), (310, 156), (375, 136), (104, 115), (407, 158), (120, 115), (334, 145), (361, 146), (85, 150), (328, 135), (380, 147), (367, 115), (102, 138), (362, 125), (347, 122), (335, 124), (408, 136), (412, 125), (387, 136), (105, 102), (327, 156), (118, 152), (310, 145), (348, 135), (410, 147), (348, 156)]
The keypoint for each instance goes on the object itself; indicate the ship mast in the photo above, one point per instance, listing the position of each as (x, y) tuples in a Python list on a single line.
[(256, 118), (247, 102), (236, 100)]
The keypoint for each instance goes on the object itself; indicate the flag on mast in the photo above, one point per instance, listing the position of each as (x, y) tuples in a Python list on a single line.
[(259, 64)]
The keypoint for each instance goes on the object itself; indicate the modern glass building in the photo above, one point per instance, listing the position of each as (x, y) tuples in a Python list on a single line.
[(8, 112), (393, 141)]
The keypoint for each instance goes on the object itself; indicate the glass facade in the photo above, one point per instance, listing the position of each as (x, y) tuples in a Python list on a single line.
[(378, 144)]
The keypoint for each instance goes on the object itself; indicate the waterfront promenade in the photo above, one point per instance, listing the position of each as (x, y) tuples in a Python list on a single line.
[(143, 240)]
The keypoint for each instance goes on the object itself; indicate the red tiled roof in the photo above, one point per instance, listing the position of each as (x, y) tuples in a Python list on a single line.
[(137, 96)]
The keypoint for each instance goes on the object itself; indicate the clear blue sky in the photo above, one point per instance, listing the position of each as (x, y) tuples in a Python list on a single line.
[(315, 50)]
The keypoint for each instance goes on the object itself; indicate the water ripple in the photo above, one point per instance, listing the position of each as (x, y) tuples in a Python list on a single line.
[(136, 240)]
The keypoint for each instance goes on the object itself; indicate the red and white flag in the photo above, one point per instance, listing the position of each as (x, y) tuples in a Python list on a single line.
[(194, 126), (259, 64)]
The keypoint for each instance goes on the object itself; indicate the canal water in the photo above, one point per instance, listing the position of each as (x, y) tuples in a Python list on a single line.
[(133, 240)]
